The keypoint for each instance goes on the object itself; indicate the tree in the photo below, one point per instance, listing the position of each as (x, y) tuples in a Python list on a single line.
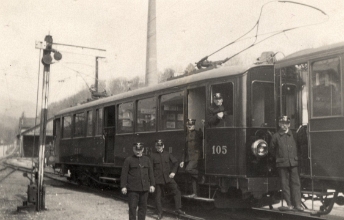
[(189, 69), (167, 74)]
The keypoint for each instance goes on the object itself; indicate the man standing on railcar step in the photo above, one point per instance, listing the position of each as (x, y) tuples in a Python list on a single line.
[(192, 154), (164, 176), (283, 147), (137, 179)]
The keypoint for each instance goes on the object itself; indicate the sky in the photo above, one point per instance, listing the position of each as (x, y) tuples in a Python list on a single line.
[(187, 30)]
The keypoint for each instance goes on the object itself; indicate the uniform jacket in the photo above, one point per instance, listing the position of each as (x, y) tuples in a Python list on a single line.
[(193, 146), (137, 174), (283, 147), (161, 166), (212, 118)]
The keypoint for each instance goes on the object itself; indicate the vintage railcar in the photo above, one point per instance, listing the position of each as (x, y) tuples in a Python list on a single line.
[(309, 89), (93, 139)]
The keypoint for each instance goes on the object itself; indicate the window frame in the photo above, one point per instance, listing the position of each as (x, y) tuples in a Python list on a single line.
[(88, 125), (228, 81), (118, 129), (311, 72), (70, 126), (159, 121), (98, 131), (83, 130), (137, 114), (273, 103)]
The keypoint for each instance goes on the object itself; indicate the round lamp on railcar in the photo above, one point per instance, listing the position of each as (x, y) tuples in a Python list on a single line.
[(260, 148)]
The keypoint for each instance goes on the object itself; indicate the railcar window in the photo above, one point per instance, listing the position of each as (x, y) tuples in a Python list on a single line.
[(326, 88), (263, 110), (99, 121), (79, 123), (146, 114), (172, 111), (125, 118), (227, 92), (89, 123), (302, 69), (67, 127), (289, 103)]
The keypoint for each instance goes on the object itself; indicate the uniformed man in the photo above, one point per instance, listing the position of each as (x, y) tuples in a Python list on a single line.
[(137, 180), (283, 147), (164, 176), (216, 112), (192, 154)]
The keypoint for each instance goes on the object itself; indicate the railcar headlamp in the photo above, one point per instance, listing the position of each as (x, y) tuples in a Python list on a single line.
[(260, 148)]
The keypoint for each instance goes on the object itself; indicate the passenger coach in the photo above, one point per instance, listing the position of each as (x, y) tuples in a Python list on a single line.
[(93, 139), (309, 89)]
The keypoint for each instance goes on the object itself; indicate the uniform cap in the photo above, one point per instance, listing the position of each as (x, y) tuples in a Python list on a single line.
[(191, 121), (284, 118), (217, 96), (159, 142), (138, 146)]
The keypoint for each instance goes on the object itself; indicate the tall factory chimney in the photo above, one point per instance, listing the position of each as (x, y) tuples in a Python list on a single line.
[(151, 55)]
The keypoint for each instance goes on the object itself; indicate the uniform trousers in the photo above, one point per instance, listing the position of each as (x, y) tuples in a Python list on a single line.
[(192, 168), (137, 199), (291, 186), (171, 186)]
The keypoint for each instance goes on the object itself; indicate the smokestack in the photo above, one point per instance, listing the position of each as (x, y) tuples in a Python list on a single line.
[(151, 55)]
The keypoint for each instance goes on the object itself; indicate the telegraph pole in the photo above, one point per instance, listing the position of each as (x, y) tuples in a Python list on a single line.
[(96, 78)]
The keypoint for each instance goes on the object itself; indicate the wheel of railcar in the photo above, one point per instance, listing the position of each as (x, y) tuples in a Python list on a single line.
[(327, 205)]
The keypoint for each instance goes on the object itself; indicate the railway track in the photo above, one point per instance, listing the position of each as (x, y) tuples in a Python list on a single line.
[(192, 208)]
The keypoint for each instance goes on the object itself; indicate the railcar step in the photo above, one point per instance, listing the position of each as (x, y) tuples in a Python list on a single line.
[(198, 198), (109, 178), (318, 193)]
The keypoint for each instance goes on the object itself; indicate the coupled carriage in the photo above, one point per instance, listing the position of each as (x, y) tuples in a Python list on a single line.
[(309, 89)]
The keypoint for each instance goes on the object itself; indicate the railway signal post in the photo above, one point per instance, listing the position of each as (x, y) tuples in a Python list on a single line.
[(46, 60)]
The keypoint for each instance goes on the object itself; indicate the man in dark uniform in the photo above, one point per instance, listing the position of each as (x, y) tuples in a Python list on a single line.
[(164, 175), (283, 147), (216, 112), (192, 153), (137, 179)]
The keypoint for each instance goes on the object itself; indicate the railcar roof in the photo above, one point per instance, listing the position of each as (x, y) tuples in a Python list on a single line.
[(202, 76), (305, 55)]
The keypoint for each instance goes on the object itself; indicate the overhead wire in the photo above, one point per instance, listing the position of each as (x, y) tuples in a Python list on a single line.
[(78, 73), (256, 26)]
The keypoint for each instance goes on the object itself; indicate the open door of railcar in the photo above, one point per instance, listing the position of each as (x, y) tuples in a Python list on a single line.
[(109, 133), (196, 110), (292, 98)]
